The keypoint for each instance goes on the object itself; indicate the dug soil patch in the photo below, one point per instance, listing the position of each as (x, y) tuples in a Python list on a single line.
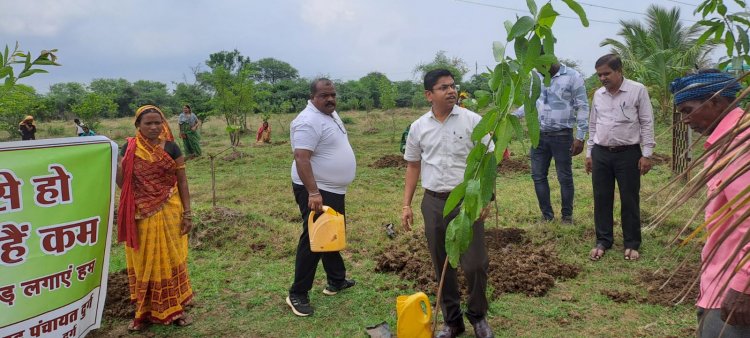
[(516, 265), (659, 159), (220, 227), (662, 290), (389, 161), (118, 296), (513, 165)]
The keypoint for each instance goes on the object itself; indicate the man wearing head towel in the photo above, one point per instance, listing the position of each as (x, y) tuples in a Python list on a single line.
[(621, 142), (724, 301)]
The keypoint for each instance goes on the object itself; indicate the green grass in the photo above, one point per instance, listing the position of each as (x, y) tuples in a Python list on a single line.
[(240, 291)]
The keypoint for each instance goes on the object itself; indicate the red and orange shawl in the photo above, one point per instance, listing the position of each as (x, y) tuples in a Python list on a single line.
[(149, 176)]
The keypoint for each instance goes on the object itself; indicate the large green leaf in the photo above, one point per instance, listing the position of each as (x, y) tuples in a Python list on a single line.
[(457, 194), (498, 50), (520, 46), (488, 172), (547, 15), (483, 98), (497, 76), (484, 126), (530, 111), (729, 42), (458, 236), (532, 6), (523, 26), (533, 50), (516, 123), (573, 5), (474, 159), (504, 134), (710, 31), (29, 72), (472, 199)]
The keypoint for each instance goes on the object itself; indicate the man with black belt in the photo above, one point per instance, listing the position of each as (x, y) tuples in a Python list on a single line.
[(620, 124), (437, 147), (323, 167), (561, 106)]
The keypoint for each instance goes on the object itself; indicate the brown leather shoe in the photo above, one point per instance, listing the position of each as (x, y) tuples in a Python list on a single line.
[(482, 329), (448, 331)]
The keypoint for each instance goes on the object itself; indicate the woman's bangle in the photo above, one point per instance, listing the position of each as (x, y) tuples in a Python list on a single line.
[(406, 206), (314, 193)]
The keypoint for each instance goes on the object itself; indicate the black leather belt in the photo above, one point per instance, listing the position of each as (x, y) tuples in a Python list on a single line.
[(618, 149), (562, 132), (440, 195)]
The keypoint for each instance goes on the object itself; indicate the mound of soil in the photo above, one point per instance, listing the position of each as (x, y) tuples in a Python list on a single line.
[(389, 161), (234, 156), (118, 296), (515, 265), (675, 288), (371, 131), (218, 227), (512, 165), (659, 159), (659, 293)]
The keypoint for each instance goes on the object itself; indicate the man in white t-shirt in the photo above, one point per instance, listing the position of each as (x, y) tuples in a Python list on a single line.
[(323, 167), (437, 147)]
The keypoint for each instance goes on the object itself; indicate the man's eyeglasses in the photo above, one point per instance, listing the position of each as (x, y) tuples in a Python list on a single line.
[(445, 87)]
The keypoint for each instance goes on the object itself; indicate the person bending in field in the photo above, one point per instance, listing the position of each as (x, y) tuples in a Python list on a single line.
[(724, 300)]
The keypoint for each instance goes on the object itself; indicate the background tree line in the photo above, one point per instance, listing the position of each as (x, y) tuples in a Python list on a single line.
[(231, 86)]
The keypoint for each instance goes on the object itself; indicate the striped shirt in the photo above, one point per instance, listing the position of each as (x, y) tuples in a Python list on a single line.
[(563, 104)]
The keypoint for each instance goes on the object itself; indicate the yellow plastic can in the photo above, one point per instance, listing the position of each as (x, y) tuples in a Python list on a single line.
[(328, 232), (414, 313)]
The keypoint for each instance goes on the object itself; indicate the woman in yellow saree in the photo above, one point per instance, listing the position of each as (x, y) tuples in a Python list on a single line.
[(153, 220)]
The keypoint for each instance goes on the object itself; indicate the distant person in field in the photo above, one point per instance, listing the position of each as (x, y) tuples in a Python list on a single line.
[(264, 133), (79, 127), (154, 217), (323, 167), (562, 108), (27, 128), (725, 280), (87, 131), (189, 124), (619, 148), (436, 148)]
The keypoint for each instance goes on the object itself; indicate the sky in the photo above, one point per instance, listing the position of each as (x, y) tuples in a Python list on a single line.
[(164, 40)]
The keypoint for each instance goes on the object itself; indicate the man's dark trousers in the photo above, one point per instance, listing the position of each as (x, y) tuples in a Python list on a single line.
[(474, 262), (306, 262), (553, 145), (620, 165)]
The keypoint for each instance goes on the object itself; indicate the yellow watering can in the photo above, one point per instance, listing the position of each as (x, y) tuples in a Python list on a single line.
[(414, 314), (328, 232)]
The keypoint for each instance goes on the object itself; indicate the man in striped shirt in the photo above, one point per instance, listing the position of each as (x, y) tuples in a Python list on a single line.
[(562, 107)]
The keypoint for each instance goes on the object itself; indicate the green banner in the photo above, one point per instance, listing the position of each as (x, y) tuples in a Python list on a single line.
[(56, 207)]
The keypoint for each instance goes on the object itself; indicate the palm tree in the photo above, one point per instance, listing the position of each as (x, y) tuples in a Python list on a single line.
[(658, 51)]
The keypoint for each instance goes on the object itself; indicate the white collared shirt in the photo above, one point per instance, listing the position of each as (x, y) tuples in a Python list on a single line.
[(332, 160), (622, 119), (443, 147)]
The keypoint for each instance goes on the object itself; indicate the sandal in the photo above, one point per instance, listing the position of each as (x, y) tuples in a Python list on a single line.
[(632, 255), (133, 327), (183, 321), (597, 252)]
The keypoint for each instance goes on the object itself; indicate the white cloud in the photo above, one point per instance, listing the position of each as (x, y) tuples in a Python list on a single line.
[(323, 14), (42, 18)]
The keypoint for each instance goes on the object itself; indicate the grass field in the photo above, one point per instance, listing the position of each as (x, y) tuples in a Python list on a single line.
[(242, 259)]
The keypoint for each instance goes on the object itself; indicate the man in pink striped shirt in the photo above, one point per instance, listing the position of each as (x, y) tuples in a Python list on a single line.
[(724, 301)]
